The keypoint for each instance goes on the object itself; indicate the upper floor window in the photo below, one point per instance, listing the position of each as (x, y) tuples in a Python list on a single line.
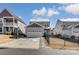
[(8, 19), (15, 20)]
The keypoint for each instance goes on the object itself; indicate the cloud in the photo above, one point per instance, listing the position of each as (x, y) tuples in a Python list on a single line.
[(65, 4), (40, 11), (45, 12), (70, 19), (52, 12), (72, 8), (20, 17)]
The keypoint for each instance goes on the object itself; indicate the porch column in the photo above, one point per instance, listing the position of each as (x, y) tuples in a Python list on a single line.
[(9, 29), (13, 23), (3, 25)]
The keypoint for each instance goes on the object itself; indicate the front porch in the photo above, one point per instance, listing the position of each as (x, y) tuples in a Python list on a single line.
[(8, 30)]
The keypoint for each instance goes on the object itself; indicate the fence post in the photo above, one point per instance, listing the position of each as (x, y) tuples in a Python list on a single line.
[(40, 43), (78, 42), (64, 44)]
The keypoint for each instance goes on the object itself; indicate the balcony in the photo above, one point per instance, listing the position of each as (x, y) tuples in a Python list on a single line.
[(8, 23)]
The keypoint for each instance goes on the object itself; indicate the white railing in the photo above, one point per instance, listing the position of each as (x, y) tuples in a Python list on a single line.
[(8, 23)]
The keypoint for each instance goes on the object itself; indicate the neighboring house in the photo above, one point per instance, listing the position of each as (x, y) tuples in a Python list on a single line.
[(58, 27), (38, 27), (51, 31), (43, 22), (34, 30), (67, 28), (9, 22)]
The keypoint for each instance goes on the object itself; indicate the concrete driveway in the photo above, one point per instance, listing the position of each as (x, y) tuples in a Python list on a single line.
[(30, 43)]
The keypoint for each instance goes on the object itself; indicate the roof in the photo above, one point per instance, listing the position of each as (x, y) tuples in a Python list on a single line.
[(34, 25), (77, 26), (70, 20), (1, 10), (39, 20), (70, 26)]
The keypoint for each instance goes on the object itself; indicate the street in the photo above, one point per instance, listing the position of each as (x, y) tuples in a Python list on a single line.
[(42, 51)]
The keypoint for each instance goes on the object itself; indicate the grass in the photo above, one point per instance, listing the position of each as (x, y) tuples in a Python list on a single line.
[(59, 43), (5, 38)]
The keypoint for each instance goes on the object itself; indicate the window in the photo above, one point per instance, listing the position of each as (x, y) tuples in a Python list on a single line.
[(8, 19), (7, 29), (75, 31), (0, 29), (15, 20)]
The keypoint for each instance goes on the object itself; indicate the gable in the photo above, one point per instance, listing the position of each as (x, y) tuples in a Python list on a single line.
[(34, 25), (5, 13)]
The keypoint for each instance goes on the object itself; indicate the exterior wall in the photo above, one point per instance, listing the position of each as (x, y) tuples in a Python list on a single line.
[(66, 33), (21, 27), (34, 31), (70, 32), (58, 28)]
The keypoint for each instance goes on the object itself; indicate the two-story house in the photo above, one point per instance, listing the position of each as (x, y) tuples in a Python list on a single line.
[(9, 22), (43, 27), (67, 27)]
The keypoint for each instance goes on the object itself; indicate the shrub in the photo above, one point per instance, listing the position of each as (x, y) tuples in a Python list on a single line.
[(72, 37), (13, 33), (58, 35)]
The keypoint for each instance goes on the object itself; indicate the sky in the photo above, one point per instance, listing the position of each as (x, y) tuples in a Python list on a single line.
[(51, 11)]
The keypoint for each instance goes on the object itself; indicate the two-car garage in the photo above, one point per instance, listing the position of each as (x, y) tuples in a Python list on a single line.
[(34, 30)]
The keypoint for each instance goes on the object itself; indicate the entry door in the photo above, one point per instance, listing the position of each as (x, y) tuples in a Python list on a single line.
[(15, 30), (0, 29), (6, 29), (11, 29)]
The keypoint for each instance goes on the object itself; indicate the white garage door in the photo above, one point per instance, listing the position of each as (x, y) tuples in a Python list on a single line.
[(34, 34), (76, 33)]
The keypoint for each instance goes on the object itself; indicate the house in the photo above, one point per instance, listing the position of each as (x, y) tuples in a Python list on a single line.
[(43, 22), (9, 22), (34, 30), (67, 27), (40, 26)]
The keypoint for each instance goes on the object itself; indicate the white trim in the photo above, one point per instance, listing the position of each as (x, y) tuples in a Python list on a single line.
[(3, 25), (13, 23), (8, 17)]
